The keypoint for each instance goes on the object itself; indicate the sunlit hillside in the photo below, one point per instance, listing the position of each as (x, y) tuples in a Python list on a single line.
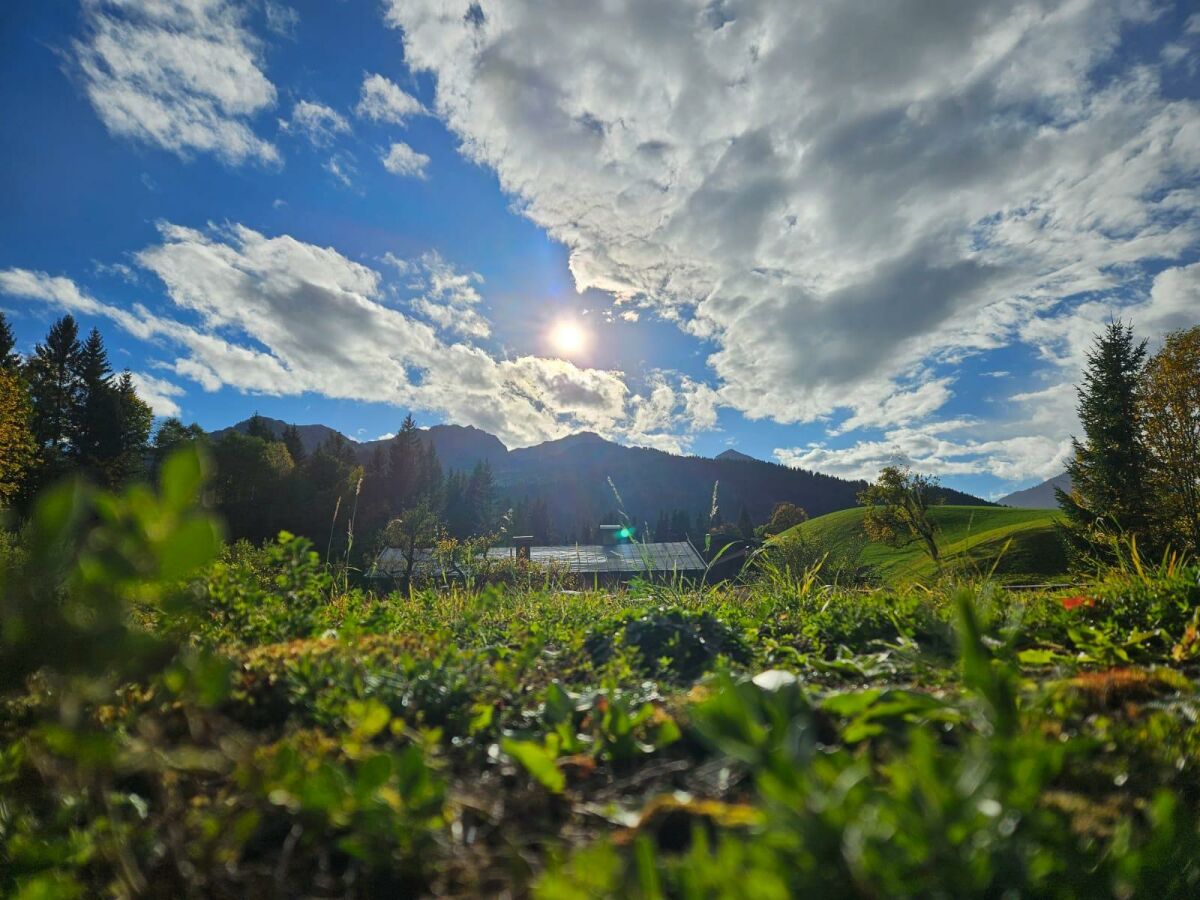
[(1016, 544)]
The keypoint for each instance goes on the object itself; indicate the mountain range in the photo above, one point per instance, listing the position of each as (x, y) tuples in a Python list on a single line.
[(586, 479)]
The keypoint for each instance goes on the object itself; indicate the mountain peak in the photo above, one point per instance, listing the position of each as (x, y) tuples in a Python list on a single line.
[(732, 455)]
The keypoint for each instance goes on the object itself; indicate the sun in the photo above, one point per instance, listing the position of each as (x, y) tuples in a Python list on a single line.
[(568, 338)]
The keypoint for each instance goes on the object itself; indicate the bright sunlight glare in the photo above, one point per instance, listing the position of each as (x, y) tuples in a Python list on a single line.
[(568, 338)]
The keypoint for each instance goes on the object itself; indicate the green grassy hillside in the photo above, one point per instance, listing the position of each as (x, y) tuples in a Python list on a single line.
[(1020, 543)]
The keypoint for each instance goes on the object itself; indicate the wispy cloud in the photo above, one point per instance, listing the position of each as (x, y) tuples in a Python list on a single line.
[(316, 121)]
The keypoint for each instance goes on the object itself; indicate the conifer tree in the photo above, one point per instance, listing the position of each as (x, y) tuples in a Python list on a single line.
[(1108, 472), (481, 498), (745, 524), (295, 446), (135, 419), (54, 392), (662, 528), (10, 360), (96, 417), (404, 463), (259, 427)]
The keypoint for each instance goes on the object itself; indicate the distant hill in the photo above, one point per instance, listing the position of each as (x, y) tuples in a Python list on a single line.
[(311, 436), (458, 446), (575, 477), (1040, 496), (971, 538)]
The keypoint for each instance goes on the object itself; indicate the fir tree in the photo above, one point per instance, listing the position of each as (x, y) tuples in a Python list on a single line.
[(54, 391), (259, 427), (10, 360), (662, 528), (1108, 472), (481, 498), (96, 416), (295, 446), (405, 465), (135, 419), (745, 524)]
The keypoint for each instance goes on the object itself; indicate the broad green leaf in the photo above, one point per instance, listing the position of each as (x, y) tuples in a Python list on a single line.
[(537, 762)]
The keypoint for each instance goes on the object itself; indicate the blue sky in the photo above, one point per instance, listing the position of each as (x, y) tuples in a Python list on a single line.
[(831, 237)]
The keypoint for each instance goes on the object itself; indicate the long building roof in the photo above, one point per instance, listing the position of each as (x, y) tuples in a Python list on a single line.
[(579, 559)]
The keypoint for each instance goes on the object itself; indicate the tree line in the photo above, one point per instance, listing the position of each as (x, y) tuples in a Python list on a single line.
[(64, 409)]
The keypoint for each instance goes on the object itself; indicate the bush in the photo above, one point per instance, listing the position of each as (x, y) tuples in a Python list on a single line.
[(669, 643)]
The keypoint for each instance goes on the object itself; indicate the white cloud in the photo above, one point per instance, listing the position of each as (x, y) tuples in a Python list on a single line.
[(402, 159), (843, 197), (158, 392), (945, 448), (319, 123), (385, 101), (282, 19), (275, 315), (341, 167), (183, 75)]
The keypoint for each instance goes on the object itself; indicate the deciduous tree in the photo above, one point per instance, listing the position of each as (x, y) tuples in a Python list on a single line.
[(1169, 398), (783, 517), (898, 510), (17, 447)]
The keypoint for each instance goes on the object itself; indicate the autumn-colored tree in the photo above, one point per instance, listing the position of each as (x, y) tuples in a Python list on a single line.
[(898, 509), (783, 517), (17, 447), (1169, 397)]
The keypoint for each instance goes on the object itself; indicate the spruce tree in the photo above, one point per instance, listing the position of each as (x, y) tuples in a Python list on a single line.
[(481, 498), (745, 524), (260, 428), (10, 360), (96, 423), (291, 440), (54, 391), (405, 466), (135, 419), (1108, 473)]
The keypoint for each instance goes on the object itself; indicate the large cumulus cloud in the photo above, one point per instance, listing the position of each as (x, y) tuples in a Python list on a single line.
[(841, 196)]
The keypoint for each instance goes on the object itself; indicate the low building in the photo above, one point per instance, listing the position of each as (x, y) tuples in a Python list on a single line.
[(618, 559)]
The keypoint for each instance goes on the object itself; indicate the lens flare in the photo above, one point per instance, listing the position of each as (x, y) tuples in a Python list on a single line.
[(568, 338)]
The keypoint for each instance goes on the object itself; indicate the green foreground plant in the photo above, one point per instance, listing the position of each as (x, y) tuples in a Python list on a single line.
[(178, 719)]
